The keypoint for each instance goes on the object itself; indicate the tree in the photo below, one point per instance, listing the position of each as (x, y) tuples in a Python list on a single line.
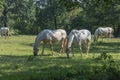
[(96, 12), (48, 14), (18, 14), (6, 4)]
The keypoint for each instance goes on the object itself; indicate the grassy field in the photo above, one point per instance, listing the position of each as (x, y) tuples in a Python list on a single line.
[(18, 63)]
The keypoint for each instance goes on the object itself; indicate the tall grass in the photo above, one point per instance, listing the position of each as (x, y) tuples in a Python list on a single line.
[(18, 63)]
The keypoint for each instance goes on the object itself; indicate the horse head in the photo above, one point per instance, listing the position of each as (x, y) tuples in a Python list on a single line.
[(35, 51)]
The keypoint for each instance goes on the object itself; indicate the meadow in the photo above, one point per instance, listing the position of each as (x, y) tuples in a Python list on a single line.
[(18, 63)]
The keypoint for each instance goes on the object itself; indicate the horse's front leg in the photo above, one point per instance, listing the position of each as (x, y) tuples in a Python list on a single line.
[(87, 47), (102, 36), (43, 48), (51, 46)]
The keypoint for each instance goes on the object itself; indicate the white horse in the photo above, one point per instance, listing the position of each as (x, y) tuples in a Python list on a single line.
[(4, 31), (78, 37), (103, 31), (50, 36)]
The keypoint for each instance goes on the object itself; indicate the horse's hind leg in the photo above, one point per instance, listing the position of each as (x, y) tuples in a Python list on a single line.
[(62, 47), (109, 36)]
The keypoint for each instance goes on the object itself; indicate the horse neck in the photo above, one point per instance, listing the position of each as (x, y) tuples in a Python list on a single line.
[(37, 42)]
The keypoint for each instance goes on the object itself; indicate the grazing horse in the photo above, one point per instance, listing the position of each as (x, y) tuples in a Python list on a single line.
[(78, 37), (103, 31), (4, 31), (50, 36)]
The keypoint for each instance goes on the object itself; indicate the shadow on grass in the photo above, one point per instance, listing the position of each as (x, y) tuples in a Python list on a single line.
[(108, 47), (48, 68), (34, 68)]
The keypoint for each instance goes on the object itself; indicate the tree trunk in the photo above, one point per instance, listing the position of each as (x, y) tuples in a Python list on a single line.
[(5, 17), (55, 21), (54, 15)]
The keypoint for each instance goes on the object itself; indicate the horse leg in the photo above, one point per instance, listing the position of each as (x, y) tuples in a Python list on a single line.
[(62, 47), (51, 46), (97, 37), (110, 35), (8, 34), (80, 48), (87, 47), (43, 48), (64, 44), (2, 35), (100, 36)]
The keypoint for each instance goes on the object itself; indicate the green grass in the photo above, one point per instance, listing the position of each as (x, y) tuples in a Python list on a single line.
[(18, 63)]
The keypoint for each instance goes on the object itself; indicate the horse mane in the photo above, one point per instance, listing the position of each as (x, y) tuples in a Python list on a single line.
[(71, 37)]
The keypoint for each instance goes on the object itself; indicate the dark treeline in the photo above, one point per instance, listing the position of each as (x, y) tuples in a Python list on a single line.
[(32, 16)]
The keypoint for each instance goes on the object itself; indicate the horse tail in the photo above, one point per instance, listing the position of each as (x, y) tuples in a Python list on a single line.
[(112, 30), (65, 42)]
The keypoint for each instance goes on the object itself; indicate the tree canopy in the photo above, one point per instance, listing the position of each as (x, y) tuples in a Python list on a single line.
[(32, 16)]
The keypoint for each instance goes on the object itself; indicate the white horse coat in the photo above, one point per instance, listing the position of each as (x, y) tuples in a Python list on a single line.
[(77, 37), (50, 36), (103, 31), (4, 31)]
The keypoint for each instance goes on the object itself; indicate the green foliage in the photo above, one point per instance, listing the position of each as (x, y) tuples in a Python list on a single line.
[(53, 16), (20, 15), (30, 17), (23, 15), (109, 69), (95, 13), (104, 56)]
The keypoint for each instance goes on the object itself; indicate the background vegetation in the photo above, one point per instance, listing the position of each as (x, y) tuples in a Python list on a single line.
[(32, 16)]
